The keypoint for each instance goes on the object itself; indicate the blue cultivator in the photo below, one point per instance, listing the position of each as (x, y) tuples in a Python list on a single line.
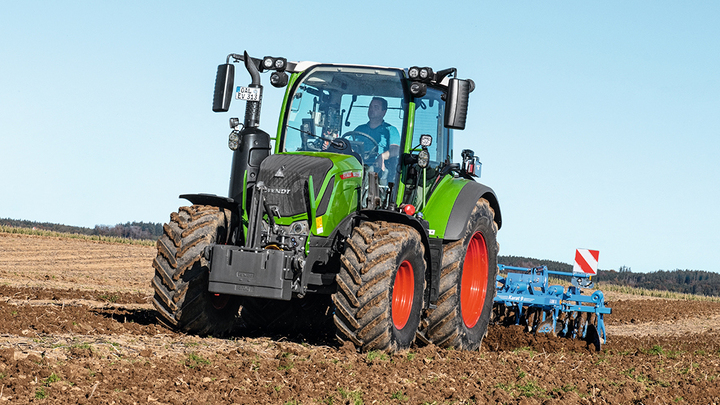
[(525, 298)]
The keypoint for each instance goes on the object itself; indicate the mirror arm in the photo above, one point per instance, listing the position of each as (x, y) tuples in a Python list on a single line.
[(439, 76), (236, 57)]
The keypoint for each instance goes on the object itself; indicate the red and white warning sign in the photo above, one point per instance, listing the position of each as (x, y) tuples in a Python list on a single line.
[(586, 261)]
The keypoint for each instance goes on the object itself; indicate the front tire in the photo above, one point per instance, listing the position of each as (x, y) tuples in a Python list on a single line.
[(380, 287), (467, 284), (181, 272)]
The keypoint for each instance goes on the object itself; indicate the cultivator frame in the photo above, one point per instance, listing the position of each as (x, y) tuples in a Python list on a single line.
[(524, 297)]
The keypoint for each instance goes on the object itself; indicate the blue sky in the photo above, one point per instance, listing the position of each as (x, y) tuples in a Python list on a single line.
[(597, 122)]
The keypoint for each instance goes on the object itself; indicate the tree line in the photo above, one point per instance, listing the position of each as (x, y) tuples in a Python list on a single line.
[(129, 230), (520, 261), (681, 281)]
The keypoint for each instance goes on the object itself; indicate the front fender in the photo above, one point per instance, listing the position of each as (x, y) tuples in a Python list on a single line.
[(401, 218), (433, 246), (212, 200)]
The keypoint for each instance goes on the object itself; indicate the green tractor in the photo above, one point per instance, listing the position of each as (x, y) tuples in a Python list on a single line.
[(358, 214)]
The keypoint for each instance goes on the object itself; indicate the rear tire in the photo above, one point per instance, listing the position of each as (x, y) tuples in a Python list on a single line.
[(181, 272), (467, 284), (380, 287)]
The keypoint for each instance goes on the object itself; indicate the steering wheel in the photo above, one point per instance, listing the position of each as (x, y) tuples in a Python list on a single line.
[(367, 154)]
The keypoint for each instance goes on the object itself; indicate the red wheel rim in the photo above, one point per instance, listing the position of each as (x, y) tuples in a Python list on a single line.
[(219, 301), (473, 287), (402, 295)]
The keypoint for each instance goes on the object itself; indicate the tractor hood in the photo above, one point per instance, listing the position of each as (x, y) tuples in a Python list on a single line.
[(289, 178), (286, 178)]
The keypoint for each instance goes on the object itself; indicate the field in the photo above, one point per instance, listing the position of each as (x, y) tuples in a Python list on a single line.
[(76, 326)]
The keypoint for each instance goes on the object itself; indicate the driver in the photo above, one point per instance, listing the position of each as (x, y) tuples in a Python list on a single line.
[(386, 135)]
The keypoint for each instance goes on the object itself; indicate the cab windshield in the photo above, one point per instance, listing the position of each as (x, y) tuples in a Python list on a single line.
[(353, 110)]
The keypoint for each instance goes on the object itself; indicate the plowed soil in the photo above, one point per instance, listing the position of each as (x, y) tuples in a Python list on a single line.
[(76, 326)]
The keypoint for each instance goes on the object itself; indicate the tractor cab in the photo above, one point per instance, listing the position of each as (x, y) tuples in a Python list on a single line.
[(372, 114)]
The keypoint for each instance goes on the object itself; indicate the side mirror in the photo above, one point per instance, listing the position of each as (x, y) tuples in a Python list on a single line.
[(223, 87), (457, 103)]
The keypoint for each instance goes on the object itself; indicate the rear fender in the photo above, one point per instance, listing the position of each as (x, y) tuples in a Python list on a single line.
[(464, 204)]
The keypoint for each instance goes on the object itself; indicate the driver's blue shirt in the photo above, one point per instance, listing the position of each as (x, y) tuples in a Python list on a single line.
[(381, 134)]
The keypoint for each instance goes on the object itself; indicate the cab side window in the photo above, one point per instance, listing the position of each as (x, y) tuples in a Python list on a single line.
[(429, 119)]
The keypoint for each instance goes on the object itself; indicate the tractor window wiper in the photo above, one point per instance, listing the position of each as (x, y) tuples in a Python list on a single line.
[(304, 132)]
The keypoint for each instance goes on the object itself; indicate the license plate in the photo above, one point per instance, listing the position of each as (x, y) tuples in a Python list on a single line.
[(249, 93)]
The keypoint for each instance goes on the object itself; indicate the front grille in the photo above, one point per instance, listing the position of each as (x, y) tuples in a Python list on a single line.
[(286, 178)]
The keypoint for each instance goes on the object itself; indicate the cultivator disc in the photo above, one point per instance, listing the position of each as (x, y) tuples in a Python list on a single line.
[(593, 337), (546, 328), (532, 319), (502, 315)]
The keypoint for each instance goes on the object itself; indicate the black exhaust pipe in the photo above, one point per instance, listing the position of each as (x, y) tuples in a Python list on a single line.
[(252, 108), (254, 144)]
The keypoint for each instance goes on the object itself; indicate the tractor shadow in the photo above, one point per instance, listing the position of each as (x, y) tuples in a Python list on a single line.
[(305, 321), (309, 321), (142, 317)]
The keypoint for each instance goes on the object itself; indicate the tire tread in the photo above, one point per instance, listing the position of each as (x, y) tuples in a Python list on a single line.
[(362, 302), (445, 326), (181, 273)]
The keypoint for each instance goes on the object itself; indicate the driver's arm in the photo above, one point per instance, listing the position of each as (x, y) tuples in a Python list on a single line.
[(394, 148)]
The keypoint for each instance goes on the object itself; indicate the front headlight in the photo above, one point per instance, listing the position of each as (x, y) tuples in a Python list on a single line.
[(423, 158), (414, 72), (279, 79), (418, 89), (234, 140), (268, 62)]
